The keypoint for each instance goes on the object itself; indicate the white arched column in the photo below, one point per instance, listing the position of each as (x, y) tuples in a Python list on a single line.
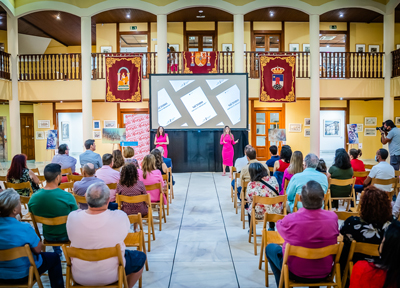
[(86, 51), (238, 41), (388, 46), (162, 44)]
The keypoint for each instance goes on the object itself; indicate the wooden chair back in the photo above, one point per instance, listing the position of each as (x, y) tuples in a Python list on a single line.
[(368, 166), (360, 173), (341, 182), (19, 252), (161, 209), (36, 171), (74, 178), (243, 201), (112, 186), (133, 199), (66, 171), (343, 215), (234, 169), (95, 255), (66, 185), (397, 173), (47, 221), (285, 186), (80, 199), (392, 181), (271, 169), (171, 185), (234, 192), (269, 201), (155, 186), (3, 178), (19, 186)]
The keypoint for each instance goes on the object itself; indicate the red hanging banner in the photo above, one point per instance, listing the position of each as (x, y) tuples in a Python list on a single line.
[(200, 62), (123, 79), (277, 78)]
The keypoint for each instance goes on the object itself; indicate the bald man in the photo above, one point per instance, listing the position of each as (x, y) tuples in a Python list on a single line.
[(88, 179)]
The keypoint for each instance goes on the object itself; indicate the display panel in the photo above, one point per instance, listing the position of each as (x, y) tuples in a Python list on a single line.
[(206, 101)]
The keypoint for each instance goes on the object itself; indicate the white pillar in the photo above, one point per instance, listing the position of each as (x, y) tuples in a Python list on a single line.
[(388, 46), (238, 42), (15, 121), (86, 52), (161, 43), (315, 93)]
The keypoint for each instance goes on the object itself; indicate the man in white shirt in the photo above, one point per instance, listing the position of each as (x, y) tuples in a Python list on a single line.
[(98, 228), (107, 174), (239, 164), (382, 170)]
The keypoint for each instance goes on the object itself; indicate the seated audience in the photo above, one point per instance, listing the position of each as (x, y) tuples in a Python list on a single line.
[(19, 173), (322, 166), (167, 161), (283, 163), (382, 170), (274, 156), (160, 165), (89, 156), (375, 218), (129, 152), (384, 272), (14, 233), (51, 202), (98, 228), (296, 166), (239, 164), (358, 166), (396, 208), (64, 159), (261, 184), (107, 174), (310, 227), (300, 179), (150, 175), (118, 160), (341, 169), (88, 179)]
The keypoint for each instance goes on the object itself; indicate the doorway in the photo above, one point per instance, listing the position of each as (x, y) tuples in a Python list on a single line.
[(133, 42), (27, 135), (3, 139), (267, 42), (70, 132), (200, 41)]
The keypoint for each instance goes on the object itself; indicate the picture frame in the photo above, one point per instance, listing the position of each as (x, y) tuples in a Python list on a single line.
[(44, 124), (306, 48), (227, 47), (176, 47), (360, 48), (294, 47), (397, 121), (64, 131), (96, 125), (295, 127), (105, 49), (373, 48), (307, 122), (110, 124), (370, 121), (40, 135), (46, 134), (360, 128), (369, 132), (307, 132), (332, 128), (397, 46), (97, 134)]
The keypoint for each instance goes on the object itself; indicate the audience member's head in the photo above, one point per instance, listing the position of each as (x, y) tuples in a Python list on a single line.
[(390, 255), (312, 195), (129, 175), (296, 163), (52, 173), (10, 204), (342, 159), (148, 164), (257, 171), (321, 166), (108, 159), (273, 149), (250, 153), (63, 149), (161, 150), (158, 157), (118, 160), (311, 161), (381, 155), (88, 170), (18, 164), (355, 153), (286, 153), (90, 145), (129, 152), (97, 195), (375, 206)]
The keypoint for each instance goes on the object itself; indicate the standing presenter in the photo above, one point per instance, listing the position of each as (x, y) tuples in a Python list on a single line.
[(162, 140), (227, 141)]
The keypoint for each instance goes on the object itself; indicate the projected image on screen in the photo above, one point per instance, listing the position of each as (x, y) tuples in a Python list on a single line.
[(198, 101)]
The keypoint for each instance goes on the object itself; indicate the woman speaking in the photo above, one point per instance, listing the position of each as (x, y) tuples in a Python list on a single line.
[(227, 150), (162, 140)]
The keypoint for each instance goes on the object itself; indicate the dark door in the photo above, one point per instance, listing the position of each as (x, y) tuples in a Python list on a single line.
[(27, 136)]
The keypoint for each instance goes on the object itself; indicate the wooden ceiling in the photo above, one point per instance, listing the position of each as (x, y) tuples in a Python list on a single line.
[(190, 15), (276, 14), (124, 16)]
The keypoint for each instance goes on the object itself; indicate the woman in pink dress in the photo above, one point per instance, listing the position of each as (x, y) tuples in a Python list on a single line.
[(227, 150), (162, 140)]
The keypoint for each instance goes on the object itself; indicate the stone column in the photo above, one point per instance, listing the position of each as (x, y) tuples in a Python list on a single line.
[(162, 44), (86, 52), (388, 47), (238, 35)]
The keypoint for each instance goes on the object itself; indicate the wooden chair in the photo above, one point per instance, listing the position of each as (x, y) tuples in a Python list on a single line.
[(67, 185), (263, 201), (269, 237), (161, 209), (66, 171), (112, 186), (243, 201), (326, 201), (165, 178), (3, 179), (271, 169), (23, 199), (285, 186), (392, 181), (80, 199), (397, 173), (149, 217), (42, 180), (368, 166), (358, 247), (235, 198), (74, 178), (136, 239), (171, 186), (345, 182), (234, 171), (19, 252), (333, 279), (94, 256), (50, 222), (343, 215), (360, 174), (36, 171)]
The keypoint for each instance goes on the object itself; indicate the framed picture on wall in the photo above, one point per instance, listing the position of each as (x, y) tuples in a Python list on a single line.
[(369, 132), (331, 128), (306, 47), (65, 131), (294, 47), (39, 135), (96, 124), (295, 127), (307, 132), (360, 48), (397, 121), (360, 127), (373, 48), (106, 49), (370, 121), (397, 46), (110, 123), (43, 124), (96, 134), (307, 122), (46, 134), (227, 47)]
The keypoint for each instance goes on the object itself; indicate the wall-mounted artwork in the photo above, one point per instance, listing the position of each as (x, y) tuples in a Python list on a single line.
[(43, 124), (331, 128), (371, 121), (110, 123), (295, 127), (64, 131), (96, 124)]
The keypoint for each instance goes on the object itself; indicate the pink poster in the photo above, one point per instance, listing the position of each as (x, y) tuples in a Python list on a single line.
[(138, 129)]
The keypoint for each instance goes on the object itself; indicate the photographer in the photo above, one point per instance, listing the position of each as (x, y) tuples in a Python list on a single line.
[(391, 134)]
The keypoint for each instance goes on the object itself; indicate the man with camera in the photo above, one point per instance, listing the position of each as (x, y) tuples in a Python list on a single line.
[(391, 134)]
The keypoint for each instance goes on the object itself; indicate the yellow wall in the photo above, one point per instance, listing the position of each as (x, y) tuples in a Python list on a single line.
[(341, 26), (368, 34), (125, 27), (5, 112), (175, 34), (297, 33), (225, 34), (247, 36), (5, 89), (196, 26), (106, 35), (57, 48), (3, 39), (153, 35), (295, 113), (264, 25), (43, 111)]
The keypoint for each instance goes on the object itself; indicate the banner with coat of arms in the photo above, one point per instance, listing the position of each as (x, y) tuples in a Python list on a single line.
[(123, 79), (200, 62), (277, 78)]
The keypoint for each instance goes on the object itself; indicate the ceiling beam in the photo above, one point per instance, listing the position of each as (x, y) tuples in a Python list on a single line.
[(370, 21), (44, 32)]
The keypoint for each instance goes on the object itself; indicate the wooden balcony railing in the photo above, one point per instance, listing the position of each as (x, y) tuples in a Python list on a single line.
[(396, 63), (5, 65), (351, 65)]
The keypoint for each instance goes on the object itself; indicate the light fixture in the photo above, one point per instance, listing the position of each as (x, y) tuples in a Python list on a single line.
[(271, 13), (128, 15), (327, 46), (200, 16), (341, 98), (341, 14), (58, 17), (60, 101), (142, 41), (200, 11)]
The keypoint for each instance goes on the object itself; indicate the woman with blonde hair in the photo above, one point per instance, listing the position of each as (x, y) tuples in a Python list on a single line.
[(295, 166), (118, 160), (150, 175), (128, 156)]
